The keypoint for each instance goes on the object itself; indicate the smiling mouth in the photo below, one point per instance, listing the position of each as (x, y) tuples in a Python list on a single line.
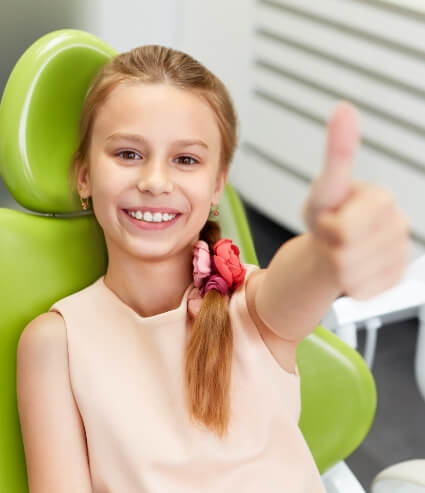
[(148, 216)]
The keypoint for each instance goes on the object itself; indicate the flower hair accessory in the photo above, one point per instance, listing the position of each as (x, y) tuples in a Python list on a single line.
[(222, 270), (201, 263)]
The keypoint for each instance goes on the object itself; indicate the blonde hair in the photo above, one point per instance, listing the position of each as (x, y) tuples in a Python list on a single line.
[(209, 349)]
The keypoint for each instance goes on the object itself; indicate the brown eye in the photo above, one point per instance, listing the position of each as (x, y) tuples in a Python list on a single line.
[(189, 160), (130, 155)]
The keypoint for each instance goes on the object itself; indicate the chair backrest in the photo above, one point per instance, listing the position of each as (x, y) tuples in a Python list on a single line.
[(50, 252)]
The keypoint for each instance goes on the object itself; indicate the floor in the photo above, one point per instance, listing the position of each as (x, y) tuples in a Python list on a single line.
[(398, 431)]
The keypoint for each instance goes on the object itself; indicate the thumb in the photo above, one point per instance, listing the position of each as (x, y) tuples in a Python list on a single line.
[(333, 186)]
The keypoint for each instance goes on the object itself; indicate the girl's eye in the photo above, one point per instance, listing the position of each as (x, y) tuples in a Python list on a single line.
[(187, 160), (130, 155)]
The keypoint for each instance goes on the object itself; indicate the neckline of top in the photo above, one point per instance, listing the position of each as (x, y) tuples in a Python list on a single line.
[(175, 313)]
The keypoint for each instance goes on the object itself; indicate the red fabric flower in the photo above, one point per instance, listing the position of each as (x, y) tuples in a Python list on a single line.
[(226, 260)]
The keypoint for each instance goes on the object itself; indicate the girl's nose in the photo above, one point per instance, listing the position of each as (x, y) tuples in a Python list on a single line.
[(155, 179)]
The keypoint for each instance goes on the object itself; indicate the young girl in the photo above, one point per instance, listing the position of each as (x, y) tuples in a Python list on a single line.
[(176, 370)]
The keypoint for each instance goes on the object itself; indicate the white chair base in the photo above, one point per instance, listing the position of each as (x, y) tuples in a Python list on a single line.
[(405, 477), (340, 479)]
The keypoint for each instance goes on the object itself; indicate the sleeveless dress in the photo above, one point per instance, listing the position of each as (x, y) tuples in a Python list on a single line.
[(126, 374)]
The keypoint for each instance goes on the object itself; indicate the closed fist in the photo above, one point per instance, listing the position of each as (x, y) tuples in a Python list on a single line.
[(360, 232)]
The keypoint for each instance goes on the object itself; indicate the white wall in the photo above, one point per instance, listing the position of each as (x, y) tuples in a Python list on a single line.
[(219, 34), (125, 24)]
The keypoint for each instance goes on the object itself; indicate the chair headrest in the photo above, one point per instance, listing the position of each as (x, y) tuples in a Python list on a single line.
[(40, 114)]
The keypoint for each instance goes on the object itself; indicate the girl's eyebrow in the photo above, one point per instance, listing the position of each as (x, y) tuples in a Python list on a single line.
[(190, 142), (141, 140), (133, 137)]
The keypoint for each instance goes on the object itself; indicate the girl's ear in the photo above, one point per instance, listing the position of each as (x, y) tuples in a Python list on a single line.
[(219, 188), (83, 180)]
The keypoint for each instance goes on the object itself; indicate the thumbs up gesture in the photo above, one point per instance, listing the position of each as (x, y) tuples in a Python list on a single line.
[(359, 231)]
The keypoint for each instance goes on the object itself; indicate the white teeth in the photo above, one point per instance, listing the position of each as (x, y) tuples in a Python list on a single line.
[(157, 217), (147, 216)]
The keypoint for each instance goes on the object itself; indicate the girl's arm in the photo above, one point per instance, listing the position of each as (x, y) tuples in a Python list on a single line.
[(357, 244), (296, 290), (52, 429)]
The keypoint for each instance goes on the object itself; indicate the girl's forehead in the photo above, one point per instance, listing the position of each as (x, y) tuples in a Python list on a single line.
[(152, 108)]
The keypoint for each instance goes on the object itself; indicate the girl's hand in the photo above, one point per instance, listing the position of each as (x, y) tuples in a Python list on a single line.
[(360, 233)]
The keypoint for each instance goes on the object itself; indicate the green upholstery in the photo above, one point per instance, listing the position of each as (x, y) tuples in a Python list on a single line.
[(46, 257)]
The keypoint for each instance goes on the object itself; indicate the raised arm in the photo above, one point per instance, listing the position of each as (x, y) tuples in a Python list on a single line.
[(357, 243)]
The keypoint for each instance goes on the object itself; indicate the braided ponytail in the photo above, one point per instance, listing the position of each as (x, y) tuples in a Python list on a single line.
[(209, 353)]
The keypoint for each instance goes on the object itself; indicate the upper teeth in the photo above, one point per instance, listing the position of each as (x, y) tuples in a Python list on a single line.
[(156, 217)]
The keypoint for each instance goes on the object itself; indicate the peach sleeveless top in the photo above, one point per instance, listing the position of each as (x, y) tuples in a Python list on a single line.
[(126, 374)]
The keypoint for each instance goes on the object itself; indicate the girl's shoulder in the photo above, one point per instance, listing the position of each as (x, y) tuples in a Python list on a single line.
[(44, 333), (84, 292)]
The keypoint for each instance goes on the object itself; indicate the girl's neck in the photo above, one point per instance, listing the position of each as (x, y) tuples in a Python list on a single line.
[(150, 288)]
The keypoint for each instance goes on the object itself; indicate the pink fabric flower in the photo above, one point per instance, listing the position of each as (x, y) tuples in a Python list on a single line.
[(201, 262), (226, 260)]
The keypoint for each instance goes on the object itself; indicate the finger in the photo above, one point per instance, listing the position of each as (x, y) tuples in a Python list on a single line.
[(365, 211), (382, 280), (365, 261), (333, 184)]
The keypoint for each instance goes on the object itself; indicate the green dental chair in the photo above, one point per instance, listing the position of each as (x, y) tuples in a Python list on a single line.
[(54, 249)]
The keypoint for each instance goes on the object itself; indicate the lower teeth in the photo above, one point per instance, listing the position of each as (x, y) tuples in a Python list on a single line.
[(155, 222)]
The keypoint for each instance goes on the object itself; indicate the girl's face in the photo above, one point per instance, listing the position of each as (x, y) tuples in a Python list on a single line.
[(153, 146)]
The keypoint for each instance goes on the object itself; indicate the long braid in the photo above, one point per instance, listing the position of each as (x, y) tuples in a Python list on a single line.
[(209, 354)]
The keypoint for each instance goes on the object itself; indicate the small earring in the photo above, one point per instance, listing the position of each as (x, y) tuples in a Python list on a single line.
[(84, 203), (214, 211)]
